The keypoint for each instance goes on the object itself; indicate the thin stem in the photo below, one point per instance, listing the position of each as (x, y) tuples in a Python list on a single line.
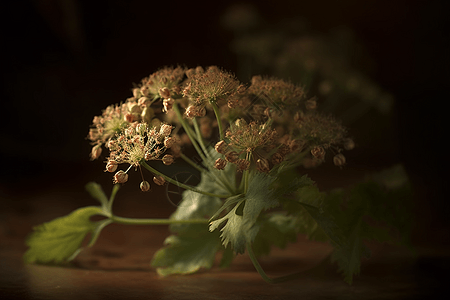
[(246, 175), (188, 131), (264, 275), (199, 137), (222, 180), (219, 121), (177, 183), (193, 164), (132, 221), (112, 197)]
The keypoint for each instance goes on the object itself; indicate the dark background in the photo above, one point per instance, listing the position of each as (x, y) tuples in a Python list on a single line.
[(64, 61)]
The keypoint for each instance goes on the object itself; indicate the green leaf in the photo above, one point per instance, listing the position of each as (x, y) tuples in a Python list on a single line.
[(191, 246), (227, 258), (186, 254), (264, 192), (60, 240), (277, 229), (96, 191), (236, 231)]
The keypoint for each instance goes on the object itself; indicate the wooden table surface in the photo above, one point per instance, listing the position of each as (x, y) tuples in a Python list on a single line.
[(117, 267)]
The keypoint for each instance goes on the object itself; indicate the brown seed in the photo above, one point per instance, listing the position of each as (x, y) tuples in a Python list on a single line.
[(243, 164), (262, 165), (221, 147), (318, 152), (339, 160), (349, 144), (220, 164), (232, 156), (120, 177), (167, 159), (145, 186), (159, 180), (277, 158)]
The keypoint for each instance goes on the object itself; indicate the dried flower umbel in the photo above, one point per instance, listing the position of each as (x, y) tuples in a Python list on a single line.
[(250, 141)]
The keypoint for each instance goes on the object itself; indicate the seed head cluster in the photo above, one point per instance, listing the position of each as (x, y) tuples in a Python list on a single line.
[(204, 87), (269, 123)]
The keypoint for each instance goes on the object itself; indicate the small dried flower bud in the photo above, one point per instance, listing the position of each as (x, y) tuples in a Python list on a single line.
[(141, 128), (120, 177), (232, 156), (144, 101), (221, 147), (136, 93), (130, 131), (145, 186), (165, 130), (262, 165), (168, 142), (96, 152), (164, 93), (220, 164), (159, 180), (242, 164), (339, 160), (240, 123), (111, 144), (349, 144), (111, 166), (167, 159), (232, 103), (149, 155), (277, 158), (311, 104), (191, 111), (130, 117), (318, 152), (201, 112), (298, 117), (168, 104)]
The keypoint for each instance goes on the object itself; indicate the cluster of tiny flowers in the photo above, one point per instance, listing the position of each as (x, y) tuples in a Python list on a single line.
[(252, 141), (162, 83), (282, 123), (277, 92), (210, 86), (322, 134), (138, 143), (113, 120)]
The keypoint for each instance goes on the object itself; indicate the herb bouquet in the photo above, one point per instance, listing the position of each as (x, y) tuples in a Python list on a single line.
[(251, 142)]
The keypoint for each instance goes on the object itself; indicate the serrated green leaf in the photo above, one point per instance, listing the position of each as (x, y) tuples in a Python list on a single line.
[(236, 231), (60, 240), (264, 192)]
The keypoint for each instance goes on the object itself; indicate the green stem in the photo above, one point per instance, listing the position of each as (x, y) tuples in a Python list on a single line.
[(182, 185), (188, 131), (264, 275), (193, 164), (219, 121), (222, 180), (246, 175), (199, 137), (113, 195), (132, 221)]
